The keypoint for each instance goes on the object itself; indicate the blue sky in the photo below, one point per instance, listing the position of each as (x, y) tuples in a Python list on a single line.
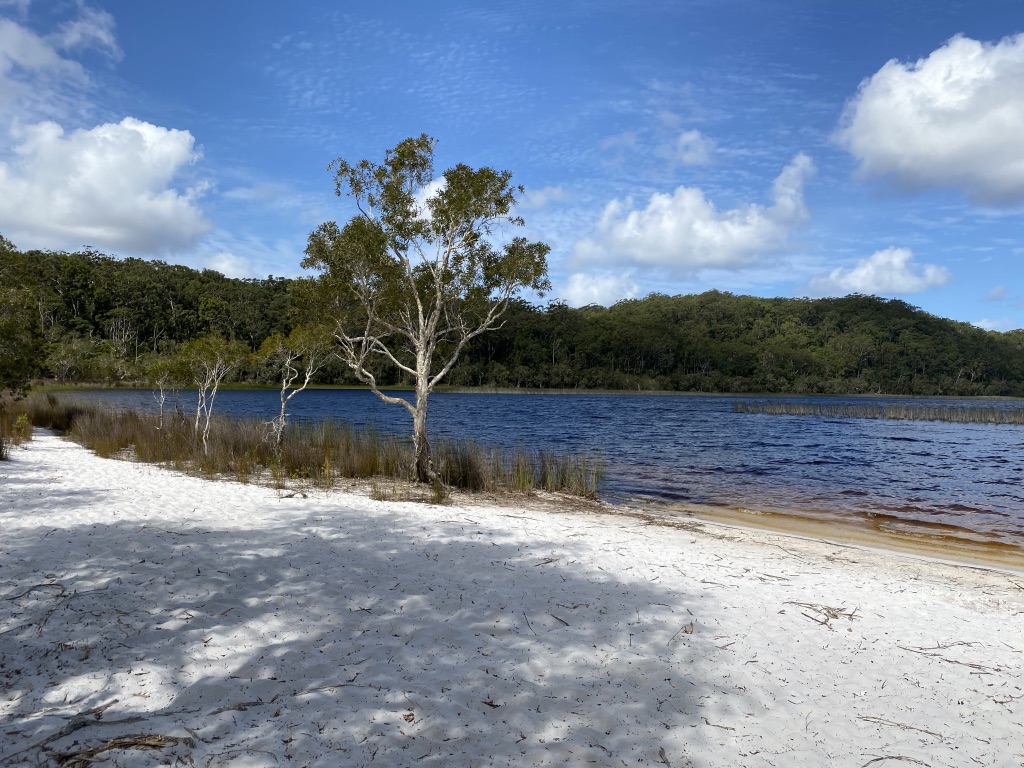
[(790, 148)]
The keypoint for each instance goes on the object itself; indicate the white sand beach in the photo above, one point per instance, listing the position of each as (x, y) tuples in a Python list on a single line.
[(220, 624)]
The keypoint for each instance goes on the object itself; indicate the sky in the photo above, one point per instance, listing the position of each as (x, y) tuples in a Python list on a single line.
[(789, 148)]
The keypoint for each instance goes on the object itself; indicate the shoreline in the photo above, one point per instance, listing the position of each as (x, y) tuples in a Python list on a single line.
[(891, 535), (266, 628), (55, 388)]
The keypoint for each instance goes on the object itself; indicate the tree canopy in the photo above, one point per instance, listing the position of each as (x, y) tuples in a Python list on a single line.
[(416, 274)]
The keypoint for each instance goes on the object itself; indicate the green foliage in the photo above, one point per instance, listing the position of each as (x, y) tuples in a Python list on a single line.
[(90, 317), (718, 342), (19, 345), (415, 275)]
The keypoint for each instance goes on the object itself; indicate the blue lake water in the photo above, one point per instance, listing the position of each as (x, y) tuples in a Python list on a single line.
[(698, 450)]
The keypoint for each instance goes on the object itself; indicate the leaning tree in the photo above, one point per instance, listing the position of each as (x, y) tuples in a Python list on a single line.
[(420, 269)]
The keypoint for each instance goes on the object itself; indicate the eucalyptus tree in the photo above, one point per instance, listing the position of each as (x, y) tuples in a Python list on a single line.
[(296, 358), (205, 363), (418, 271)]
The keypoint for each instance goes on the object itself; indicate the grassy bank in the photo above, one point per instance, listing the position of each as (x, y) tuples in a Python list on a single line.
[(962, 414), (315, 454)]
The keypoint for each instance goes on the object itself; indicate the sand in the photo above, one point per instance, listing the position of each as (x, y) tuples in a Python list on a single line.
[(149, 618)]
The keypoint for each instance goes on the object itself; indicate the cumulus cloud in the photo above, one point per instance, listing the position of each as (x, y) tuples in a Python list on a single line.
[(950, 120), (887, 272), (603, 289), (109, 187), (683, 232), (231, 265)]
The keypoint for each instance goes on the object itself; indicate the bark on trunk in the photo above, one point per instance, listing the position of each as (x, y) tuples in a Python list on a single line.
[(421, 446)]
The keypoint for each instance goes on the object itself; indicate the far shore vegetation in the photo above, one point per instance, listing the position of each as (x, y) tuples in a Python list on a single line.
[(91, 317)]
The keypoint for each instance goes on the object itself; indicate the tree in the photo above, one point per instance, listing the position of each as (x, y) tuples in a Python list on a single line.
[(166, 374), (207, 362), (19, 347), (416, 274), (295, 357)]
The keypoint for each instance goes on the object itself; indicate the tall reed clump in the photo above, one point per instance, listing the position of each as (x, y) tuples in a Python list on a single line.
[(15, 429), (961, 414), (466, 465), (318, 454)]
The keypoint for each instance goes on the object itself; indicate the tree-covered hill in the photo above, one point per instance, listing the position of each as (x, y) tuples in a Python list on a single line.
[(88, 316), (718, 342)]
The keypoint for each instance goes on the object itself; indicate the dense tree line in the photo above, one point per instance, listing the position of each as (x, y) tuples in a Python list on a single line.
[(88, 316), (718, 342)]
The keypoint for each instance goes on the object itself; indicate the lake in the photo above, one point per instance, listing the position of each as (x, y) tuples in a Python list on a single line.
[(689, 449)]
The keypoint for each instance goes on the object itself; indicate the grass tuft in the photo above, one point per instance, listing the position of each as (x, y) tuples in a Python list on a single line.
[(313, 454)]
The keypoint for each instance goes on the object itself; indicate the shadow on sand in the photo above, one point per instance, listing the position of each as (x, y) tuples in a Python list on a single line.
[(325, 637)]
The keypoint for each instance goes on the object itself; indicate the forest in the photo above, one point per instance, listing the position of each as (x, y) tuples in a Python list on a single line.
[(90, 317)]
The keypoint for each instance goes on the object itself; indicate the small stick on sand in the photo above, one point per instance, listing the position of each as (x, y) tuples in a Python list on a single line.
[(904, 726), (83, 758)]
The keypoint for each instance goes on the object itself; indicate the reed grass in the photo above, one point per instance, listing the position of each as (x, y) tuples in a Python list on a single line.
[(961, 414), (311, 454)]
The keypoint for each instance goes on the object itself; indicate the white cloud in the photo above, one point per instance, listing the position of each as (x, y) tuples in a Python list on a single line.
[(542, 198), (427, 191), (952, 119), (24, 54), (604, 289), (231, 265), (683, 232), (109, 187), (887, 272), (689, 148), (35, 75), (91, 29), (996, 324)]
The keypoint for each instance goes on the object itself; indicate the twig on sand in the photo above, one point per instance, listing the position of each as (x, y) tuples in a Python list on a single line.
[(84, 758), (716, 725), (76, 722), (904, 726), (528, 623), (826, 611), (687, 628), (34, 587), (925, 652), (894, 757), (332, 686), (241, 706)]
